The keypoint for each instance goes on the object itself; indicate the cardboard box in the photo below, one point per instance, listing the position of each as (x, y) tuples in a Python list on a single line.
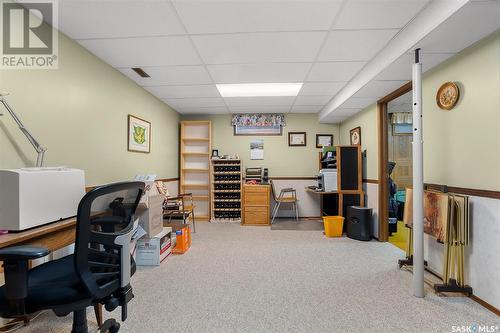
[(151, 217), (137, 234), (152, 251), (150, 188)]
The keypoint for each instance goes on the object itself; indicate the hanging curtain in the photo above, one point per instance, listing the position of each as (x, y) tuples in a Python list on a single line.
[(402, 118), (258, 119)]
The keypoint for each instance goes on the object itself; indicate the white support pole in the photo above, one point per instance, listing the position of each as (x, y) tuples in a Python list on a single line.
[(418, 181)]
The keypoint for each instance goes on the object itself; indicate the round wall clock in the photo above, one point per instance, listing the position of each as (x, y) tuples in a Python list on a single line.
[(355, 138), (355, 135), (447, 96)]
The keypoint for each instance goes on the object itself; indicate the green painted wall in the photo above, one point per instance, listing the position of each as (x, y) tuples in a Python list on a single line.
[(367, 120), (461, 146), (281, 159), (79, 112)]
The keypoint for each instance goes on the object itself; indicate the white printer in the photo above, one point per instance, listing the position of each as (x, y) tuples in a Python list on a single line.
[(31, 197), (327, 180)]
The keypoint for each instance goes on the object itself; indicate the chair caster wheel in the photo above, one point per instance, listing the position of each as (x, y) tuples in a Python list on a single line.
[(115, 328), (110, 326)]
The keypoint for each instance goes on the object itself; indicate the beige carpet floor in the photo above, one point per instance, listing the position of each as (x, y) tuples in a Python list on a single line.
[(252, 279), (300, 225)]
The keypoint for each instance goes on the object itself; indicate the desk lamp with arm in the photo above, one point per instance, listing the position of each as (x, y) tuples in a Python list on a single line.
[(40, 150)]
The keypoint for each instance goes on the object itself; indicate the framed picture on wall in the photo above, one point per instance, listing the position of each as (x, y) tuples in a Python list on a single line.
[(139, 135), (355, 136), (297, 139), (324, 140)]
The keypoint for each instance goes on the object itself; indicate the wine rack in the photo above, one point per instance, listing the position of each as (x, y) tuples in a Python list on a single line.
[(226, 190)]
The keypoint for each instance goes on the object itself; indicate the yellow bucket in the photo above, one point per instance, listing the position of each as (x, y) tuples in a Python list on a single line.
[(333, 225)]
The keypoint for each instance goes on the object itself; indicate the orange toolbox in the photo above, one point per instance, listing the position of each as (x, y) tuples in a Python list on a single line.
[(183, 240)]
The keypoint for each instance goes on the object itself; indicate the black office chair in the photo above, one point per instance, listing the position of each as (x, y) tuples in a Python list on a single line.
[(97, 273), (393, 205)]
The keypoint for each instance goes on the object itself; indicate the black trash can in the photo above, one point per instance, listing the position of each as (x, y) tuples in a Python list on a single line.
[(359, 223)]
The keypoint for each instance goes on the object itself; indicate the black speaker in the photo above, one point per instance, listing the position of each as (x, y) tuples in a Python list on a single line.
[(359, 223), (265, 176)]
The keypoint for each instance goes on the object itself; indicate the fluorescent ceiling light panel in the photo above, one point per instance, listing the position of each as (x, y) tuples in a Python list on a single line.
[(259, 89)]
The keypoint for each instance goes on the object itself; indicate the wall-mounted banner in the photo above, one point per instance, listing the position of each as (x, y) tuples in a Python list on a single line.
[(29, 38)]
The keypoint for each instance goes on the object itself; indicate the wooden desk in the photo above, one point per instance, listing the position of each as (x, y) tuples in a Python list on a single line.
[(340, 199), (308, 189), (53, 236)]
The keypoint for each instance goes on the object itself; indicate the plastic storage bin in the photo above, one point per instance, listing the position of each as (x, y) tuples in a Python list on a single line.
[(333, 225)]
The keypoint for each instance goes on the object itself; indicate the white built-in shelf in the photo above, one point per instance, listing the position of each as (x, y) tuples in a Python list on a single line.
[(196, 143), (200, 186), (195, 139), (194, 154), (195, 170), (200, 197)]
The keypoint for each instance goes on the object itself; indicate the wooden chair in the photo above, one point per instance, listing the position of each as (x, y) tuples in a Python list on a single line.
[(183, 207), (287, 195), (182, 210)]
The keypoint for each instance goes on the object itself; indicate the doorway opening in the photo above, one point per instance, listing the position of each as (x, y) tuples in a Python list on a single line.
[(400, 164), (394, 163)]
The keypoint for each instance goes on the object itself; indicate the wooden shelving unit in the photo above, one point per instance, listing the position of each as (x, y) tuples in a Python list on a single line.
[(349, 177), (196, 145), (226, 190)]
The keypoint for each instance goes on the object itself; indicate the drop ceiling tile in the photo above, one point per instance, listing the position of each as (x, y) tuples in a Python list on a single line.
[(306, 108), (355, 45), (169, 75), (224, 16), (260, 109), (183, 103), (321, 88), (259, 47), (108, 19), (378, 89), (484, 18), (143, 51), (313, 100), (334, 71), (203, 110), (401, 69), (357, 103), (259, 73), (403, 99), (378, 14), (400, 107), (184, 91), (259, 101)]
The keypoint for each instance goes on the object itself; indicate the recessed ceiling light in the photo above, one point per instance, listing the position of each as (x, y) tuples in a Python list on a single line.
[(259, 89)]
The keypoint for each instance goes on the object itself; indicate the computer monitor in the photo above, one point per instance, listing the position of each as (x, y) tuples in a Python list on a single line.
[(328, 152)]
